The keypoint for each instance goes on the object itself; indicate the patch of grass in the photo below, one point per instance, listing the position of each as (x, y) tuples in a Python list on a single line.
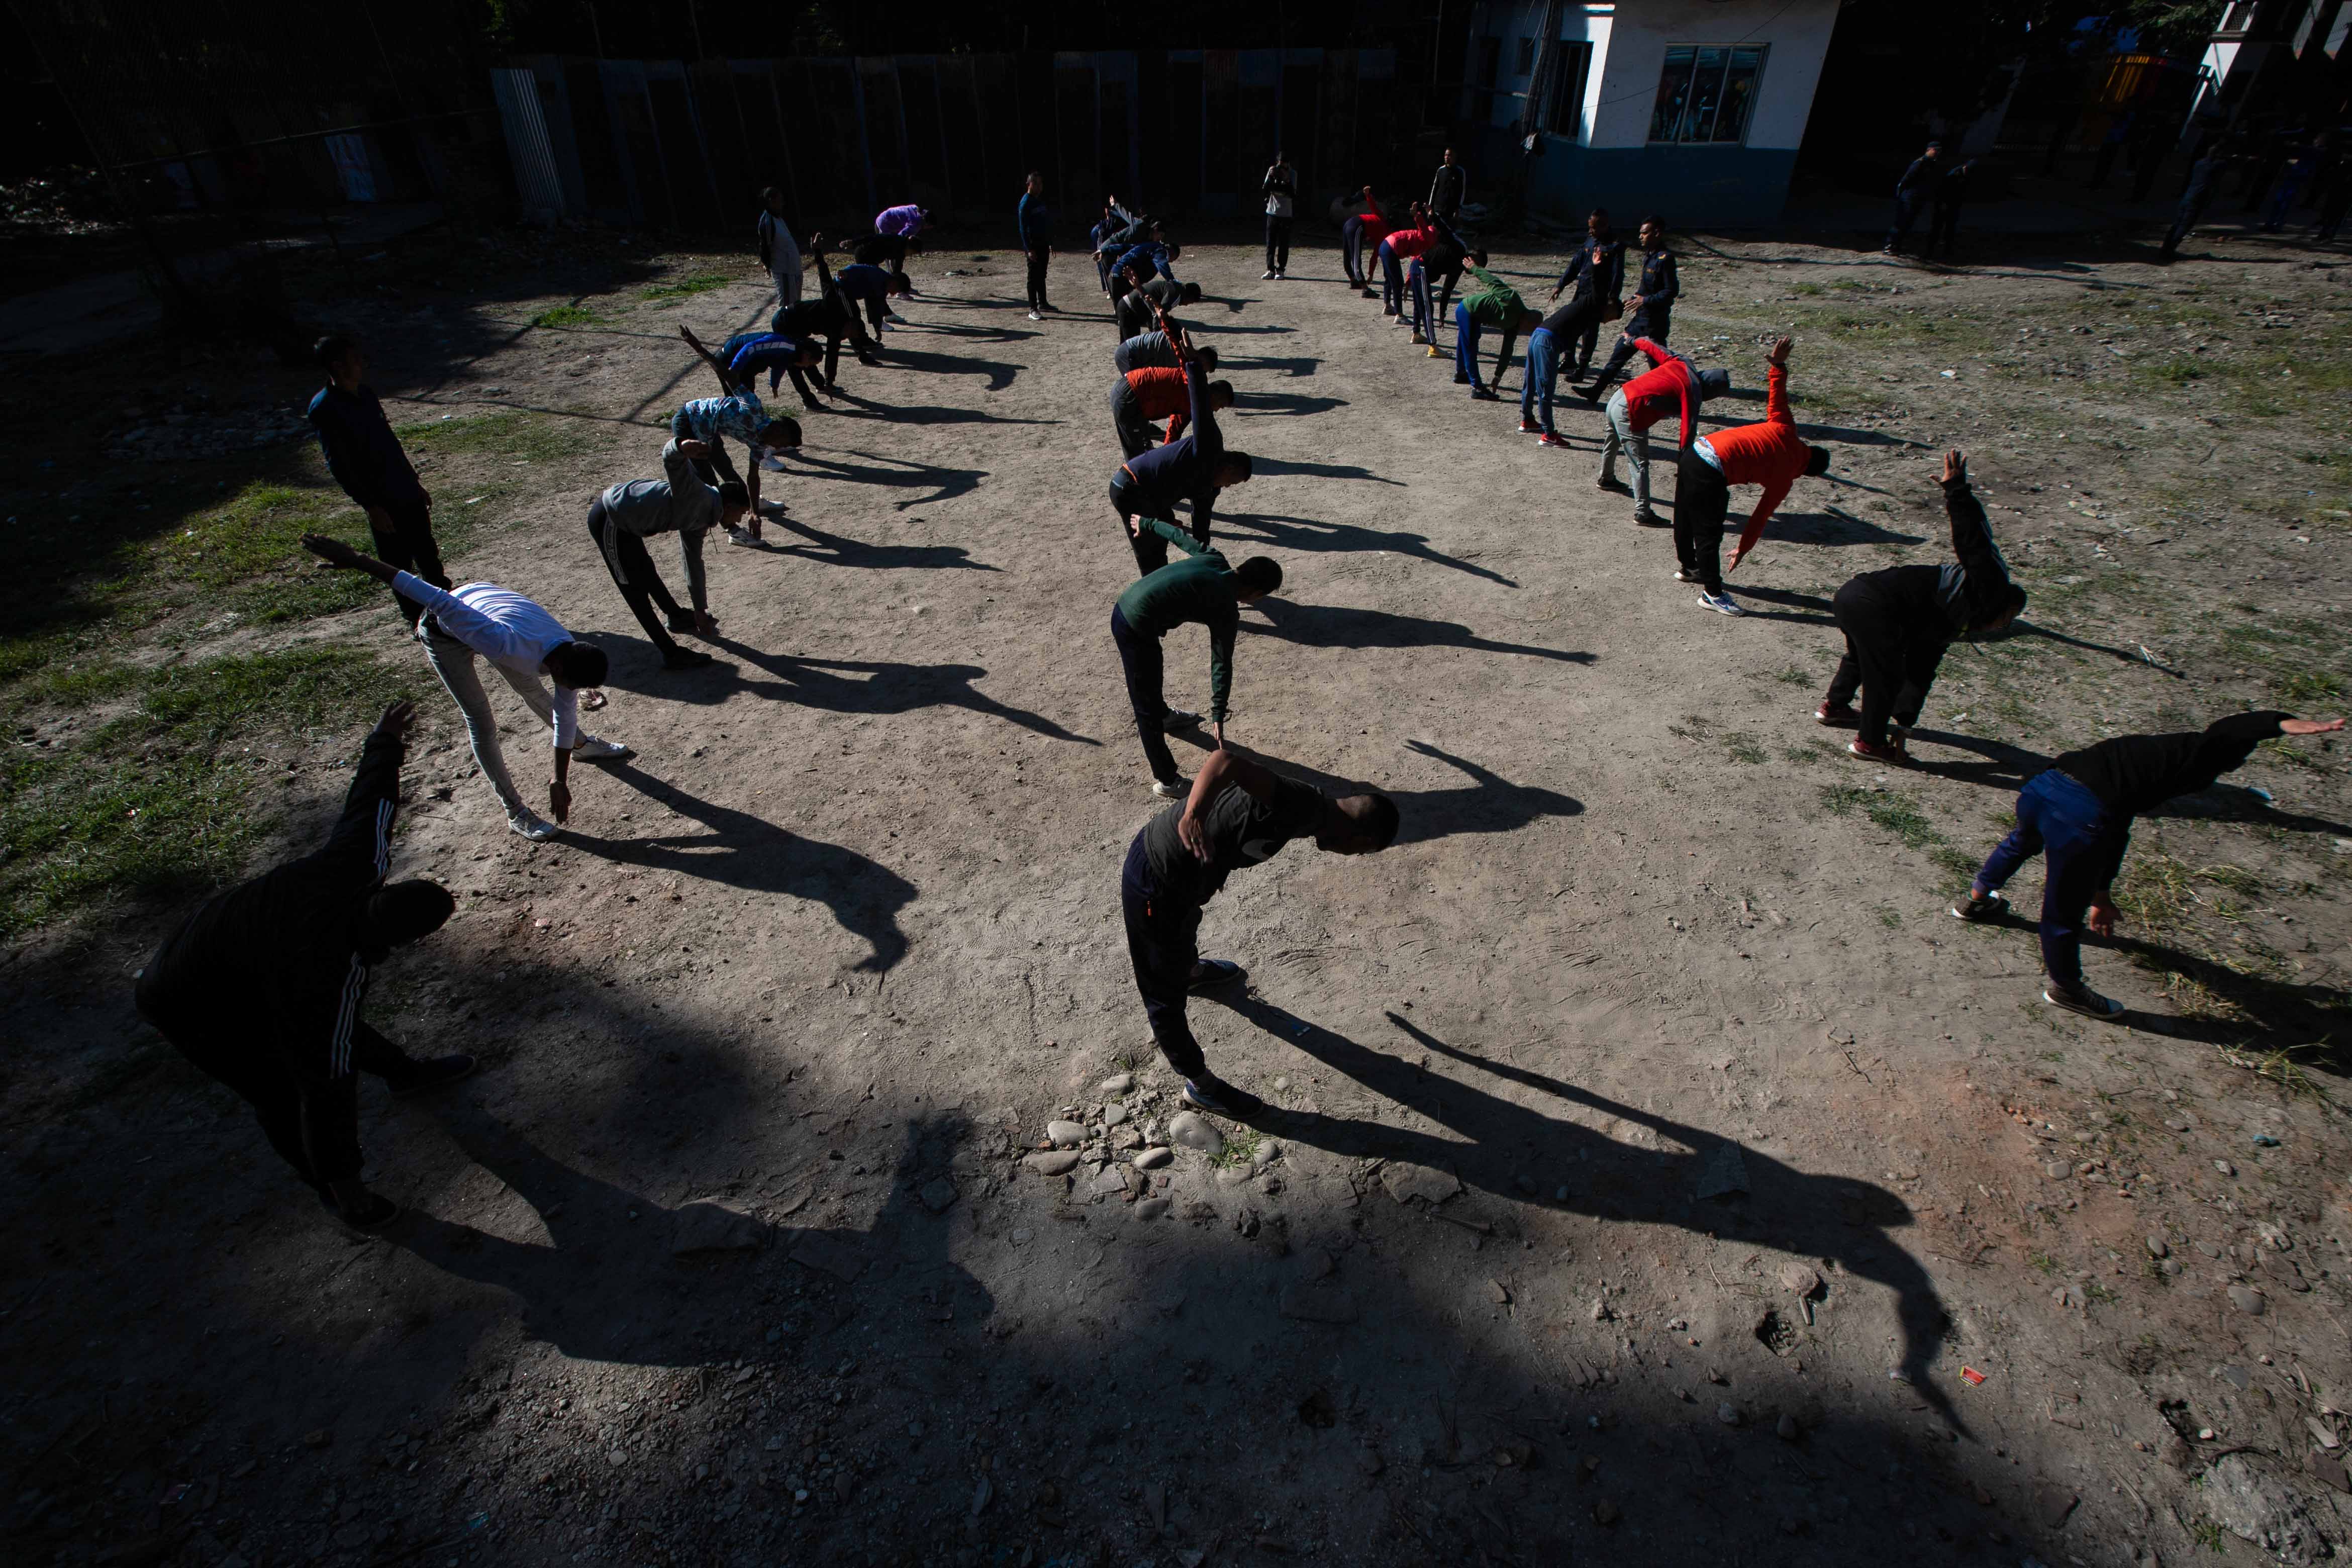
[(1806, 288), (2208, 1534), (1895, 813), (1957, 864), (2043, 1262), (1889, 916), (1241, 1145), (1789, 674), (1744, 749), (2153, 891), (568, 316), (686, 288)]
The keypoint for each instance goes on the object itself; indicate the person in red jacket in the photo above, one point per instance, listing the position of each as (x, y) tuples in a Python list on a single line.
[(1673, 385), (1402, 245), (1362, 230), (1770, 455), (1141, 397)]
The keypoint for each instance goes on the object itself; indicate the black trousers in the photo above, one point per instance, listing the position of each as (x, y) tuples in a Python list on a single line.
[(1653, 325), (314, 1126), (1277, 243), (826, 318), (1587, 341), (1352, 249), (1906, 213), (1139, 657), (1701, 500), (1890, 656), (632, 574), (409, 546), (1163, 942), (1943, 228), (1038, 260), (1136, 436), (888, 251)]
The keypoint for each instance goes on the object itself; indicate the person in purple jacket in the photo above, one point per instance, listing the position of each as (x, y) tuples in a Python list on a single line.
[(894, 229)]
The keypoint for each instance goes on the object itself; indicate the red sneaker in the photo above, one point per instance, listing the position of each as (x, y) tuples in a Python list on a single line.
[(1551, 440), (1892, 753), (1528, 427), (1837, 716)]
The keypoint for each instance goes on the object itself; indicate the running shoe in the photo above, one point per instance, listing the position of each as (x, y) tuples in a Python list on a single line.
[(1178, 718), (1486, 394), (894, 316), (1433, 350), (1837, 716), (1218, 1098), (1215, 972), (1170, 789), (2080, 998), (1419, 338), (1979, 907), (372, 1212), (1035, 317), (1890, 752), (1549, 439), (1645, 518), (1721, 603), (1266, 276), (596, 749), (1528, 427), (532, 826), (740, 536)]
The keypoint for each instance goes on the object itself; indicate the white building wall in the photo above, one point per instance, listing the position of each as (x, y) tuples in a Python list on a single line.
[(1640, 32)]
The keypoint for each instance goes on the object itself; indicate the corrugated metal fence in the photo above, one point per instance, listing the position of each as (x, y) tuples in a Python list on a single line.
[(665, 144)]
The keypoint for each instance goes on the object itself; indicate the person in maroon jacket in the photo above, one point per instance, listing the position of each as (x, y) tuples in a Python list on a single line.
[(1671, 386)]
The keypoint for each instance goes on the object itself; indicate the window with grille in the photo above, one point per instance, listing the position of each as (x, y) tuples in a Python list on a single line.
[(1707, 93)]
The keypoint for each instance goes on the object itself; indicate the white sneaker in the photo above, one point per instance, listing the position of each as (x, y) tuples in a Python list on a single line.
[(532, 826), (1035, 317), (596, 749), (1179, 790), (1263, 276), (1721, 604), (894, 316), (741, 536)]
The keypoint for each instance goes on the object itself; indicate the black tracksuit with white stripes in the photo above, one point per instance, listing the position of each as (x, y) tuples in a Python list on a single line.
[(261, 986)]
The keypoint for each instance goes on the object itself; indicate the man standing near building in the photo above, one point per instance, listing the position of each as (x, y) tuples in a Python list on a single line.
[(1235, 814), (780, 253), (621, 521), (1598, 264), (1673, 385), (2204, 176), (261, 986), (1918, 183), (1651, 311), (1036, 242), (482, 620), (367, 460), (1281, 192), (1769, 455), (1201, 587), (1448, 187)]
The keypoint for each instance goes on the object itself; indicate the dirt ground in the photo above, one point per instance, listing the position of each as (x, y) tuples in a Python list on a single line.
[(1657, 1172)]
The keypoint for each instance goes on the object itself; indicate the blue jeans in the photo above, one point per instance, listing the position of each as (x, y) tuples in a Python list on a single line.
[(1543, 367), (1466, 341), (2083, 848), (1392, 281), (1416, 284)]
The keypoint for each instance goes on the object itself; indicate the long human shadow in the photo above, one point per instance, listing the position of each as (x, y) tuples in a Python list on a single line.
[(969, 334), (925, 414), (1835, 525), (1797, 603), (906, 474), (1848, 436), (2128, 655), (2309, 1022), (1241, 331), (1489, 803), (874, 685), (1271, 466), (1275, 403), (1316, 534), (2001, 765), (609, 1284), (1296, 365), (1000, 373), (1495, 1139), (738, 849), (840, 550), (1334, 625)]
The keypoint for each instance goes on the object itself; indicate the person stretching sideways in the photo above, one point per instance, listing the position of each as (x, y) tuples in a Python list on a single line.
[(621, 521), (261, 986), (1153, 348), (1235, 814), (367, 460), (1200, 587), (1141, 397), (1652, 308), (524, 642), (1547, 346), (2078, 811), (1191, 470), (1900, 620), (1770, 455), (1496, 305), (1672, 385)]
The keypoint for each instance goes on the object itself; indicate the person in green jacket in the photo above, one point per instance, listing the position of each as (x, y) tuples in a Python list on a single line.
[(1498, 305), (1200, 587)]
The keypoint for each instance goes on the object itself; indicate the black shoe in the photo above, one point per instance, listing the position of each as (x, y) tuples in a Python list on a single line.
[(1979, 907), (2080, 998), (373, 1213), (687, 659), (1460, 379), (1214, 972), (435, 1073), (1218, 1098)]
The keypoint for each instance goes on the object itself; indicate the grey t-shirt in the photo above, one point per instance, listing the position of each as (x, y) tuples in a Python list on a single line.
[(680, 501), (1242, 831)]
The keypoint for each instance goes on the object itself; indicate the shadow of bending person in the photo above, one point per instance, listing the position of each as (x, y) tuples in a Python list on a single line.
[(1000, 373), (1284, 403), (1334, 625), (1268, 467), (840, 550), (1489, 803), (741, 850), (903, 473), (881, 686), (1489, 1140), (622, 1278), (1312, 533)]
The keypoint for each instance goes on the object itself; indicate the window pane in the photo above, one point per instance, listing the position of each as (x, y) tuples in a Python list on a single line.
[(1738, 95), (1707, 96), (1567, 118), (1673, 95)]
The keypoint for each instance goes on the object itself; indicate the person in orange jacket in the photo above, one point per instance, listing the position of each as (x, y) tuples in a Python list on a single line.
[(1770, 455)]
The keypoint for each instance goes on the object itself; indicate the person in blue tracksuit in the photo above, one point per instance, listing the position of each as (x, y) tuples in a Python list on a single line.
[(1037, 221)]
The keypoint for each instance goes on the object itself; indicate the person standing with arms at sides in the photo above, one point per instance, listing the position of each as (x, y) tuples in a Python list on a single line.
[(780, 253), (1190, 470), (1036, 242), (2078, 814), (1899, 621), (1448, 188), (1280, 189), (1671, 386), (1951, 196), (621, 521), (368, 461), (1547, 346), (486, 620), (261, 986), (1234, 815), (1770, 455), (1651, 311), (1918, 184), (1599, 265), (1200, 587), (1498, 305)]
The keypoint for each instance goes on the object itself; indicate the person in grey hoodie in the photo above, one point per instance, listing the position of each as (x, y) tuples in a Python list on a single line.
[(621, 521)]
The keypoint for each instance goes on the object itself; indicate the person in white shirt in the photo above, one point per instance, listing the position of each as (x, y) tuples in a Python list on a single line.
[(1281, 190), (780, 253), (524, 643)]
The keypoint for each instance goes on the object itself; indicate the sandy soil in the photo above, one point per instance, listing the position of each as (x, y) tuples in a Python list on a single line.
[(1656, 1162)]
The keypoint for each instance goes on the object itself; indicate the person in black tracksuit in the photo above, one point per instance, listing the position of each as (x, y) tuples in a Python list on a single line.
[(1898, 622), (1653, 306), (1918, 184), (367, 460), (1605, 278), (261, 987)]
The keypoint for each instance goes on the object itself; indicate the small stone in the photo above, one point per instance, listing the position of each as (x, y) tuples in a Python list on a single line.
[(1152, 1159), (1066, 1135), (1984, 1498), (2157, 1247), (713, 1228), (1798, 1280), (1405, 1183), (1728, 1414), (2329, 1468), (1725, 1174), (1500, 1291), (1785, 1427), (1599, 1310), (2170, 1265), (1116, 1084), (1560, 1196), (1055, 1163), (2249, 1300), (1281, 1083), (2053, 1504), (2322, 1431), (2058, 1170), (1269, 1150), (1604, 1512), (2226, 1168), (938, 1195), (1114, 1113), (1110, 1179), (1195, 1132), (317, 1437), (982, 1496), (616, 1458)]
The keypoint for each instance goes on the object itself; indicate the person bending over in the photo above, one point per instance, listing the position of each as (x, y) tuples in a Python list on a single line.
[(482, 620), (1153, 348), (1498, 305), (2077, 813), (1201, 588), (1547, 345), (262, 986), (1900, 620), (1236, 815), (1140, 398), (1671, 386), (621, 521), (1147, 299), (1769, 455), (737, 412), (1190, 471)]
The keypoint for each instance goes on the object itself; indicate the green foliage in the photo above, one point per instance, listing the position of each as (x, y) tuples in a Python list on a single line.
[(686, 288), (568, 316)]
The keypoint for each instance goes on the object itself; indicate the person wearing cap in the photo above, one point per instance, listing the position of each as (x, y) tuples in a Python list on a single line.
[(262, 986), (1671, 386), (1919, 184)]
